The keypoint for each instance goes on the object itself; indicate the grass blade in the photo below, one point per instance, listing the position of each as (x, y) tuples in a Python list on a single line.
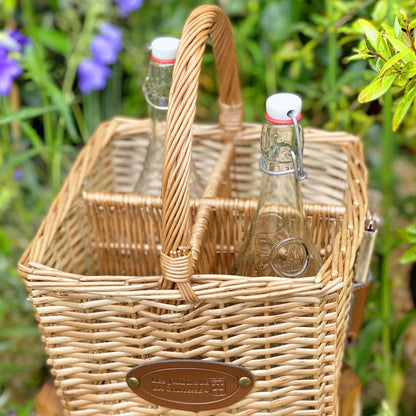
[(17, 158), (27, 113)]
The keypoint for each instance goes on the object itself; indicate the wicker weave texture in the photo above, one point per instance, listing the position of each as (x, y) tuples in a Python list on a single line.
[(95, 289), (108, 295)]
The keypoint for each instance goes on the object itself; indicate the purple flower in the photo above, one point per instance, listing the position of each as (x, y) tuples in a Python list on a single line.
[(107, 44), (9, 70), (6, 45), (13, 41), (127, 6), (18, 175), (20, 40), (92, 75), (10, 41), (103, 50), (113, 33)]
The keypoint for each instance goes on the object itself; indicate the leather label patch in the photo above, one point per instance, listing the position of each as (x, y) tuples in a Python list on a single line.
[(192, 385)]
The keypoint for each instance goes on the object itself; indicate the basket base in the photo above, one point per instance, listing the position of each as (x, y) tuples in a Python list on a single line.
[(47, 402)]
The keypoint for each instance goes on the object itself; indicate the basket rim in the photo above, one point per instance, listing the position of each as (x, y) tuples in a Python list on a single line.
[(110, 130), (208, 286)]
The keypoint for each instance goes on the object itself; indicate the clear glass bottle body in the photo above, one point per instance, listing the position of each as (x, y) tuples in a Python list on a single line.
[(157, 90), (279, 241)]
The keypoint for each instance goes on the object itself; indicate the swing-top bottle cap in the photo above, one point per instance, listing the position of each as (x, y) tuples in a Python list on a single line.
[(279, 105), (164, 49)]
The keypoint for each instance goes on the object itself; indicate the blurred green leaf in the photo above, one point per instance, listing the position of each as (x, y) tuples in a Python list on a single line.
[(33, 135), (26, 113), (402, 325), (37, 67), (400, 328), (408, 235), (397, 29), (380, 10), (408, 40), (362, 351), (378, 64), (61, 101), (277, 15), (409, 256), (405, 56), (53, 39), (385, 409), (404, 105), (20, 332), (397, 44), (371, 33), (383, 48), (8, 7), (401, 20), (409, 70), (17, 158), (7, 195), (377, 88), (233, 7), (5, 244), (412, 24), (387, 29), (361, 54)]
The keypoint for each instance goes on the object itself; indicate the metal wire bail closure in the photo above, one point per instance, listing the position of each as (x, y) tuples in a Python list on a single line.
[(298, 170), (145, 91), (300, 173)]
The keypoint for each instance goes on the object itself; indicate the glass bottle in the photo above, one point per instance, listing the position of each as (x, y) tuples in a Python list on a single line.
[(156, 91), (279, 241)]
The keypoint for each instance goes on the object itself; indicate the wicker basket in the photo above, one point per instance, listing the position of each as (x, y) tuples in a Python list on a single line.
[(116, 284)]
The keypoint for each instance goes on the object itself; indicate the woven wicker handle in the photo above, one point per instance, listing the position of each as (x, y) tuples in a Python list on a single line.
[(204, 21)]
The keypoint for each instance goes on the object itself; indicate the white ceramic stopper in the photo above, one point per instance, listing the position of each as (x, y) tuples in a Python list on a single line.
[(278, 105), (165, 48)]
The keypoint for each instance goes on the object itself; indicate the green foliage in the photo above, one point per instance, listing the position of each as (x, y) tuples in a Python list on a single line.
[(409, 236), (377, 88), (393, 50), (390, 49)]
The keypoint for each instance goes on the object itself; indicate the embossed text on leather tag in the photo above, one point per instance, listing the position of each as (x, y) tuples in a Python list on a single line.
[(190, 384)]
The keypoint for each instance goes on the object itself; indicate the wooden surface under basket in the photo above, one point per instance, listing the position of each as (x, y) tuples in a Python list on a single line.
[(105, 303)]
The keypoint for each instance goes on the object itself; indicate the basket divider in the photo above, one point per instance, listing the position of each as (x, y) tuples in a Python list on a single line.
[(176, 258)]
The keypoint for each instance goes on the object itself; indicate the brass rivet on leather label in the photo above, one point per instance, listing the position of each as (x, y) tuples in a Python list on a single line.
[(193, 385), (133, 382), (244, 382)]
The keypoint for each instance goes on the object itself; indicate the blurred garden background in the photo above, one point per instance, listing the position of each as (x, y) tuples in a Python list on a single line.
[(354, 64)]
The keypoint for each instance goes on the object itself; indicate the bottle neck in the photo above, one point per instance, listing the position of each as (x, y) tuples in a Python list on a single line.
[(158, 85), (280, 152), (279, 161)]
